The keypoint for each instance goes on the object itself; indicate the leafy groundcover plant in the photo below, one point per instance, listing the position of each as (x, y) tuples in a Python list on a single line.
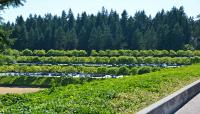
[(123, 95)]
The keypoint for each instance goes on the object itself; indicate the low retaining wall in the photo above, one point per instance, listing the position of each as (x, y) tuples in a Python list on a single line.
[(173, 102)]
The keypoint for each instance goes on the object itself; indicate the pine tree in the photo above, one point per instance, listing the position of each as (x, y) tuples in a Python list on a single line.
[(167, 30), (94, 40), (71, 20), (20, 33), (60, 39), (72, 40), (7, 3)]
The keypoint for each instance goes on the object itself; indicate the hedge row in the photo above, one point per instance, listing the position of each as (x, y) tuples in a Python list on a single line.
[(104, 60), (40, 81), (109, 53), (146, 53), (99, 60), (78, 69), (27, 52)]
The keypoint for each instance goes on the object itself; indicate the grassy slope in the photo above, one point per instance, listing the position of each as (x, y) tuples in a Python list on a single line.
[(128, 94)]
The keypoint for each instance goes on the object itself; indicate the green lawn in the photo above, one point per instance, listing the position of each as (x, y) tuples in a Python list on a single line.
[(125, 95)]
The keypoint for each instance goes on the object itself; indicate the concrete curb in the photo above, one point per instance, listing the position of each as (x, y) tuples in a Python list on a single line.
[(173, 102)]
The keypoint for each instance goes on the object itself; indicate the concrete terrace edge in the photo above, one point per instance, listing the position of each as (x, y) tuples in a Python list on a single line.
[(173, 102)]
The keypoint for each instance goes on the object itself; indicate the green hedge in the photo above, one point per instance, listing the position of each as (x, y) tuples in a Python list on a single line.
[(28, 52), (103, 53), (40, 81), (99, 60), (73, 69), (105, 60)]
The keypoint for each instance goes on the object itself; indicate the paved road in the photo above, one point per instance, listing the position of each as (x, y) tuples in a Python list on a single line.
[(192, 107)]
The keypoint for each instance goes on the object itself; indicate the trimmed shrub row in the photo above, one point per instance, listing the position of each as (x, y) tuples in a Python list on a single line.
[(105, 60), (102, 53), (27, 52), (78, 69), (40, 81)]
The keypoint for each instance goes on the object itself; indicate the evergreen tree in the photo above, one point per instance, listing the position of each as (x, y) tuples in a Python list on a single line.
[(71, 20), (72, 40), (20, 33), (167, 30), (94, 40), (60, 42), (7, 3)]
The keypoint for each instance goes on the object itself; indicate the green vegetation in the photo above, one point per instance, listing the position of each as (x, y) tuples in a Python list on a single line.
[(113, 57), (5, 40), (168, 30), (40, 81), (7, 3), (169, 38), (75, 69), (123, 95), (104, 53), (99, 60)]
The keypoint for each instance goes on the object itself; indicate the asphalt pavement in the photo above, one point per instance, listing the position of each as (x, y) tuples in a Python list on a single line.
[(192, 107)]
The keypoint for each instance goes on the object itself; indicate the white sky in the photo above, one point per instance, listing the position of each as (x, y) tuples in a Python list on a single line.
[(192, 7)]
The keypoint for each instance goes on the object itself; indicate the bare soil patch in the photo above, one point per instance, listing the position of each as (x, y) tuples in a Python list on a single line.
[(18, 90)]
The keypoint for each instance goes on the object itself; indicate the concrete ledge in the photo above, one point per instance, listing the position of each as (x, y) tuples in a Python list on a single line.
[(173, 102)]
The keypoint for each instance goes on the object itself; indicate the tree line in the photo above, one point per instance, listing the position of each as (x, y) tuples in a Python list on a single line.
[(168, 30)]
